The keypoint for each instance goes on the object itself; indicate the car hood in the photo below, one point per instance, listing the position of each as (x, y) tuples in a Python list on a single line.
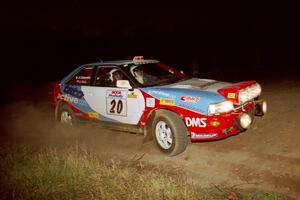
[(200, 84), (192, 94)]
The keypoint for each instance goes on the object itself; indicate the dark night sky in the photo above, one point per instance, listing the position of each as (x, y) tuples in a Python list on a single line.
[(46, 43)]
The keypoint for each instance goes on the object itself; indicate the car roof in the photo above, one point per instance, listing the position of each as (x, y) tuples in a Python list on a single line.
[(122, 62)]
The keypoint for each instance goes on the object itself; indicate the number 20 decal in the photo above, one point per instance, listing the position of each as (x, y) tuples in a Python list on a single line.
[(116, 106), (116, 102)]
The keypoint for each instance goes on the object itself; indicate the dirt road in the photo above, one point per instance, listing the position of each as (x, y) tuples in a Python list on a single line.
[(267, 156)]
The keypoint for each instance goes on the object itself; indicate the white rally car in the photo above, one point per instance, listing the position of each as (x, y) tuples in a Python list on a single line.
[(150, 97)]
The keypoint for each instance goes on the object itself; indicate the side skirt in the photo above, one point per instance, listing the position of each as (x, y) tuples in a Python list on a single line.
[(116, 126)]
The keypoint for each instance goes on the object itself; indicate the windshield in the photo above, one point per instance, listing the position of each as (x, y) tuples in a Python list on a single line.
[(152, 74)]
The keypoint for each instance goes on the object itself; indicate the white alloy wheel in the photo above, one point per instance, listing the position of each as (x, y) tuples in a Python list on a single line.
[(163, 135), (169, 132), (66, 118)]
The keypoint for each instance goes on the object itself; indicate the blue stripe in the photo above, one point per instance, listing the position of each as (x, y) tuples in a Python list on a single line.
[(206, 97)]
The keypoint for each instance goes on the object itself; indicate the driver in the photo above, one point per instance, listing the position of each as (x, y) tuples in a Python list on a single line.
[(139, 74), (115, 75), (142, 77)]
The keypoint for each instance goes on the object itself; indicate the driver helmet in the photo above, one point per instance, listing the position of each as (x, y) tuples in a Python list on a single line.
[(112, 72), (133, 70)]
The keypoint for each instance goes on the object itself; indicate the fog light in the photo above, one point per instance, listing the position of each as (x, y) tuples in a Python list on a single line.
[(245, 120), (215, 123), (264, 107)]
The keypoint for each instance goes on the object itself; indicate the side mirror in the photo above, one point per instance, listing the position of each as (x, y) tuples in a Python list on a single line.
[(123, 84)]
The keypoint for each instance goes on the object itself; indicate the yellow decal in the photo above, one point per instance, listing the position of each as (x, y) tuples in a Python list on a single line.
[(93, 115), (132, 95), (167, 102), (231, 95)]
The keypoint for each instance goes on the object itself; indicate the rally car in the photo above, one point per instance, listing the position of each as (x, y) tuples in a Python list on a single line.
[(149, 97)]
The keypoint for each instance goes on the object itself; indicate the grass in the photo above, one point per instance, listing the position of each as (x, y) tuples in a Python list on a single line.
[(73, 173)]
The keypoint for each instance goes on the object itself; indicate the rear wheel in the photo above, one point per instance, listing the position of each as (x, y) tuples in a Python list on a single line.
[(66, 115), (169, 132)]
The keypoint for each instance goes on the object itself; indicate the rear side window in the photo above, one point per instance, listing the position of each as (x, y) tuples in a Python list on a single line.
[(83, 77)]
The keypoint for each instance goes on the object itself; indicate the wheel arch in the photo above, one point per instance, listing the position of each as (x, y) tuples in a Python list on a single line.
[(59, 104), (150, 117), (178, 132)]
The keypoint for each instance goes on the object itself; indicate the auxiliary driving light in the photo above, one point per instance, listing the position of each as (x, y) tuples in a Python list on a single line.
[(245, 120), (260, 108), (264, 107)]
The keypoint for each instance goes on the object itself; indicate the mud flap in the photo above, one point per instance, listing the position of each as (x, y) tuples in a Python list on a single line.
[(147, 129)]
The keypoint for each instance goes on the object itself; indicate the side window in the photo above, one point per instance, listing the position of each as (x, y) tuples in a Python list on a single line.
[(83, 77), (102, 79), (108, 76)]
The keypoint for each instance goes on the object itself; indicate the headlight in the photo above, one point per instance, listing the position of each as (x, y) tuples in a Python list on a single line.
[(249, 93), (218, 108)]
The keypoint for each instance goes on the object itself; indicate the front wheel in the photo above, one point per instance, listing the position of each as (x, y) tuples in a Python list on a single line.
[(169, 132)]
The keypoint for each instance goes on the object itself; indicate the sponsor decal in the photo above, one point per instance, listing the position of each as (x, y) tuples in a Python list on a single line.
[(73, 92), (203, 135), (132, 95), (93, 115), (84, 82), (115, 94), (166, 102), (195, 122), (116, 91), (231, 95), (83, 77), (150, 102), (189, 99), (71, 99)]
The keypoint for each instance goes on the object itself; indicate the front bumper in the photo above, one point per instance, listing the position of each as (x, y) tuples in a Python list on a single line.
[(225, 125)]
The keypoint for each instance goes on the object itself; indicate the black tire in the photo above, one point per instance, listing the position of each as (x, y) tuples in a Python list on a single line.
[(66, 111), (170, 121)]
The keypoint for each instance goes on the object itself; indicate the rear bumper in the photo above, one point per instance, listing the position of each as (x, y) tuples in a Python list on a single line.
[(222, 126)]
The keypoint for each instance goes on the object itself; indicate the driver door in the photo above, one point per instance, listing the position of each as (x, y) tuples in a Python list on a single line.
[(111, 103)]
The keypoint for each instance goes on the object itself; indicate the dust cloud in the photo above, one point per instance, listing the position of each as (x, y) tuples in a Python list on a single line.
[(32, 124)]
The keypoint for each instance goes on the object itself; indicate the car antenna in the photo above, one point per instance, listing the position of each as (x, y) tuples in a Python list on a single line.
[(100, 60)]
